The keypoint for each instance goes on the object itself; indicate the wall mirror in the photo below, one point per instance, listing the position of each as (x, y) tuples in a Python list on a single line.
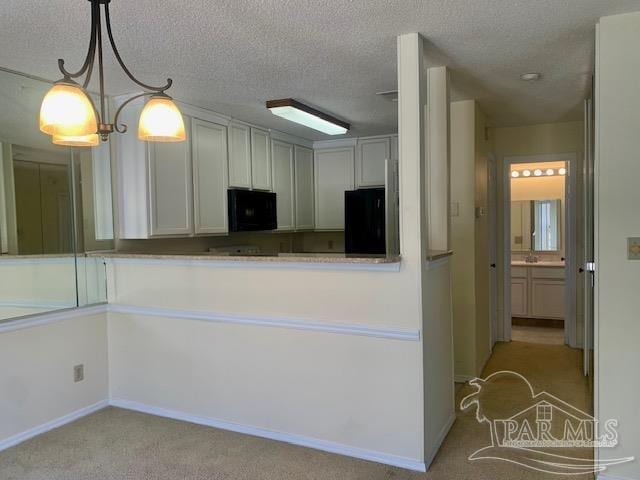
[(55, 207), (536, 225)]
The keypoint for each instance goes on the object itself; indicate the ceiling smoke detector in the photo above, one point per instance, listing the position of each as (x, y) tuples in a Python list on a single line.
[(531, 77)]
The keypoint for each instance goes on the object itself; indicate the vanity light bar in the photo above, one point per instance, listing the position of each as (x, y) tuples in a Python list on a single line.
[(549, 172)]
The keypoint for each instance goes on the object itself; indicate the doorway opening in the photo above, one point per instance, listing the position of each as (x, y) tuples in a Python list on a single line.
[(540, 249)]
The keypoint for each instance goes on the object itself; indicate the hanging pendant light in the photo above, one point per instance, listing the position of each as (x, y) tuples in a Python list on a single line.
[(91, 140), (70, 117), (66, 110), (161, 121)]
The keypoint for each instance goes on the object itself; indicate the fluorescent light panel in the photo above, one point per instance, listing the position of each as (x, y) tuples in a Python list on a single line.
[(297, 112)]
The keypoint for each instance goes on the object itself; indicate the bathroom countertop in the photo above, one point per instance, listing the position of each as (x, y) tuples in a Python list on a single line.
[(549, 264)]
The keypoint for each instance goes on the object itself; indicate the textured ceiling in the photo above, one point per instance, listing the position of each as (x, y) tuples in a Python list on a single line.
[(233, 55)]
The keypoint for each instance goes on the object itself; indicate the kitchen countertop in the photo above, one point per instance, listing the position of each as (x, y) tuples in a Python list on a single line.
[(276, 258), (522, 263)]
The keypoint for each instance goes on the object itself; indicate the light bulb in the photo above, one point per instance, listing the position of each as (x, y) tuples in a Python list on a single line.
[(526, 173), (77, 141), (537, 172), (562, 171), (550, 171), (66, 110), (161, 121), (515, 174)]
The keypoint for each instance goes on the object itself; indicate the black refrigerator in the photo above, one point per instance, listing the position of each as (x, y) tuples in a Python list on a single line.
[(364, 221)]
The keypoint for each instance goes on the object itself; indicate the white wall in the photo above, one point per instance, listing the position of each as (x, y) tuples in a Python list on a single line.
[(36, 378), (462, 236), (617, 198), (470, 238)]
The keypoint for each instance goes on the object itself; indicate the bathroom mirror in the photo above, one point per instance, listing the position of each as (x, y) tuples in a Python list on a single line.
[(536, 225), (55, 206)]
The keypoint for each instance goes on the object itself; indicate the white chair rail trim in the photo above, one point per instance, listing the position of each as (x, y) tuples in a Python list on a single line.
[(278, 322)]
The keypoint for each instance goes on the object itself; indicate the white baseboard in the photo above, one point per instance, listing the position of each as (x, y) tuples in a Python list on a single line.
[(45, 427), (326, 446), (439, 439)]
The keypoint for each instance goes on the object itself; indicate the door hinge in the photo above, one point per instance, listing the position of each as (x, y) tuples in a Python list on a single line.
[(590, 266)]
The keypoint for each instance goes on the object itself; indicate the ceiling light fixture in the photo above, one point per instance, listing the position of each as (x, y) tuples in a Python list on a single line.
[(537, 172), (550, 171), (562, 171), (526, 173), (297, 112), (68, 114), (530, 77)]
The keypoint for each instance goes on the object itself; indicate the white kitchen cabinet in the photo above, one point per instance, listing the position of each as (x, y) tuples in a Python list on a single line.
[(239, 156), (283, 183), (260, 160), (170, 188), (371, 156), (333, 175), (303, 187), (210, 177)]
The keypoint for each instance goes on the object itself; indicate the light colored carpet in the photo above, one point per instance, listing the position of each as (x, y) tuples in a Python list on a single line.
[(116, 444), (545, 335)]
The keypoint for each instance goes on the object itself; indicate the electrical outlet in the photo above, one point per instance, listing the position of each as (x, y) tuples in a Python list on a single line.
[(78, 373), (330, 244), (455, 209), (633, 248)]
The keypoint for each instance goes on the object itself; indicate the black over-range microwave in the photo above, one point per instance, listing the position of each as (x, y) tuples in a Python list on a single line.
[(252, 211)]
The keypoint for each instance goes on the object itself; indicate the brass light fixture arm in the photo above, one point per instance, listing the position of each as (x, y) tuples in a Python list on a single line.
[(119, 58), (122, 128)]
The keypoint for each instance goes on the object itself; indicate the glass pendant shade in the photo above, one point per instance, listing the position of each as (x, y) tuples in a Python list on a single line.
[(161, 121), (77, 141), (67, 111)]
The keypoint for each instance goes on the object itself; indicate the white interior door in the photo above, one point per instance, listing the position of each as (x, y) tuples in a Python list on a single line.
[(587, 269), (493, 250)]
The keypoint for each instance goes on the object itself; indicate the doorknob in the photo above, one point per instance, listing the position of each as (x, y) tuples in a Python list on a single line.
[(493, 265)]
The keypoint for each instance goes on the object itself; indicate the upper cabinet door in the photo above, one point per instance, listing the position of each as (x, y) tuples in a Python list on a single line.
[(304, 188), (282, 158), (239, 156), (209, 153), (370, 163), (170, 188), (260, 160), (333, 175)]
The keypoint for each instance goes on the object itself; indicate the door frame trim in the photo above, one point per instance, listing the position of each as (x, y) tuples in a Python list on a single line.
[(571, 158)]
